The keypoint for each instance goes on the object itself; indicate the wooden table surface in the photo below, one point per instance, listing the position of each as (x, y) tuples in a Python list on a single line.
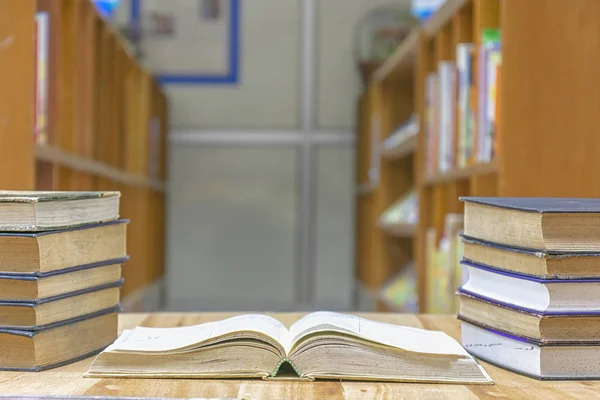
[(68, 380)]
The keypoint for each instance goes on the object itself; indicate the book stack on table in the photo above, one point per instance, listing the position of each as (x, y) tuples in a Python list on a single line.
[(531, 303), (60, 276)]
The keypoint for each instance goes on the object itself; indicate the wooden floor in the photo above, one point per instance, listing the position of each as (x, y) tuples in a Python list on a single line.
[(68, 380)]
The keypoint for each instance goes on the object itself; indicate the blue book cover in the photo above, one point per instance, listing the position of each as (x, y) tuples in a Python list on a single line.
[(532, 278), (529, 251), (524, 310), (539, 204)]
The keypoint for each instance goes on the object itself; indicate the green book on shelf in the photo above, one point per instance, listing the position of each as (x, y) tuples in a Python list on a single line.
[(39, 211), (322, 345)]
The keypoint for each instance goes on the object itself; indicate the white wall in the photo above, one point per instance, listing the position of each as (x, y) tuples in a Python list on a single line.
[(267, 94), (339, 78)]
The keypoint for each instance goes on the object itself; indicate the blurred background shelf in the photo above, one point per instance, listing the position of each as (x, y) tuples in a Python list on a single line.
[(83, 114), (50, 154), (458, 174), (524, 146), (399, 229)]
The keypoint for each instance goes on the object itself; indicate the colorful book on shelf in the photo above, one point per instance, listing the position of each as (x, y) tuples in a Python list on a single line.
[(400, 293), (403, 211), (472, 143), (464, 53), (447, 113), (431, 131), (553, 224), (453, 225), (436, 278), (498, 118), (314, 347), (405, 131), (42, 39), (490, 57), (529, 357)]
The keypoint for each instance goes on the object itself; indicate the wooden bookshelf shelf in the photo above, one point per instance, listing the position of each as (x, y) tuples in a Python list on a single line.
[(399, 230), (84, 115), (445, 15), (462, 173), (404, 149), (51, 154), (532, 155), (400, 61)]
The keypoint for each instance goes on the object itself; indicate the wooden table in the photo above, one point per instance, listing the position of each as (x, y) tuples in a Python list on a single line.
[(68, 380)]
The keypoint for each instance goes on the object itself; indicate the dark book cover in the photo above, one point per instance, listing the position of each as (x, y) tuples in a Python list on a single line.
[(539, 204), (31, 334), (526, 310), (33, 303), (39, 328), (532, 278), (529, 251), (38, 275)]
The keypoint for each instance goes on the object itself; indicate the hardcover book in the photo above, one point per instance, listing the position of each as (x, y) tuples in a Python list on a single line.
[(57, 344), (529, 357), (547, 296), (39, 314), (35, 253), (321, 345), (38, 211), (538, 326), (546, 224), (31, 288), (543, 264)]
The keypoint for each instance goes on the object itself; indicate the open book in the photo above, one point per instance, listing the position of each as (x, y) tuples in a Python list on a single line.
[(320, 345)]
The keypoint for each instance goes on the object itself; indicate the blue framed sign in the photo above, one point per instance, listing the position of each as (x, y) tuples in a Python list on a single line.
[(194, 42)]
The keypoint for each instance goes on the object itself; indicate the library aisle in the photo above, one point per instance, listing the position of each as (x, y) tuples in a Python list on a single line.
[(327, 181)]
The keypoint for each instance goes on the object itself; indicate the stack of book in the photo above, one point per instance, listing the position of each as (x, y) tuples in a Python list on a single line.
[(531, 302), (60, 273)]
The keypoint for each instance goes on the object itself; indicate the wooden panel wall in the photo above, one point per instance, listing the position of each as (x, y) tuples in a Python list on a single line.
[(17, 94)]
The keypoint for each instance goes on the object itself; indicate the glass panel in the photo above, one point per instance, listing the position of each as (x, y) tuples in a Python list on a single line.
[(335, 228), (232, 226)]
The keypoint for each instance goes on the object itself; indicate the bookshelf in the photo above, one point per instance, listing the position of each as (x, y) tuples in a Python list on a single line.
[(546, 127), (107, 122)]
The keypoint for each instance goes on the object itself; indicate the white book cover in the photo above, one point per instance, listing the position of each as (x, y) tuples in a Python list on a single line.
[(447, 91), (463, 65), (42, 23)]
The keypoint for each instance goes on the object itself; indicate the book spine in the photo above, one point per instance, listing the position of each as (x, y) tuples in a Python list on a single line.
[(35, 74), (494, 60), (441, 120), (482, 101), (42, 37), (430, 89), (496, 149), (447, 111), (463, 53), (473, 114)]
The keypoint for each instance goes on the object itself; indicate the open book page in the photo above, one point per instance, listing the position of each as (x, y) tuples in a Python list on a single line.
[(167, 339), (403, 337)]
